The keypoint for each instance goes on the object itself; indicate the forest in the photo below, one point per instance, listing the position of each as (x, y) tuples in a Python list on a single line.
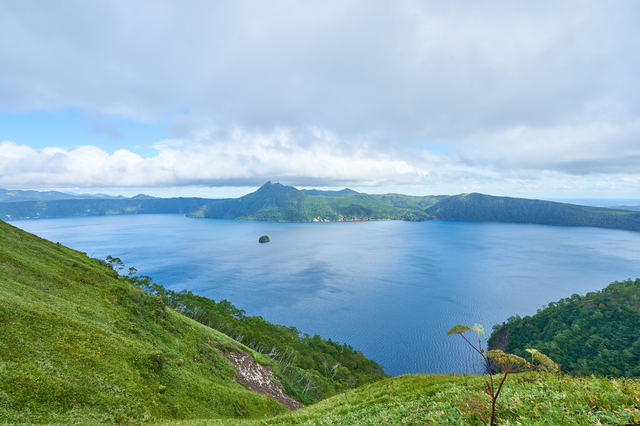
[(598, 333)]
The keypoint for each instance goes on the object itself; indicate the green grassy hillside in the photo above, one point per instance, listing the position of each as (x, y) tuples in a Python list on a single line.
[(528, 398), (78, 343)]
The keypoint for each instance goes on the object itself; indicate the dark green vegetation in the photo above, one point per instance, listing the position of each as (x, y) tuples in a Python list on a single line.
[(80, 343), (530, 398), (595, 333), (276, 202), (263, 239)]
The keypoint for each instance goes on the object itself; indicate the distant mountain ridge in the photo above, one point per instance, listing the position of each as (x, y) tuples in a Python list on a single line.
[(16, 195), (487, 208), (277, 202), (97, 207)]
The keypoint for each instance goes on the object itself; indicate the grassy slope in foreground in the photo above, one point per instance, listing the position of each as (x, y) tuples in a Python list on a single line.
[(433, 399), (79, 344)]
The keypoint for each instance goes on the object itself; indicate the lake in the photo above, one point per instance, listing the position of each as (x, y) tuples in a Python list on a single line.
[(391, 289)]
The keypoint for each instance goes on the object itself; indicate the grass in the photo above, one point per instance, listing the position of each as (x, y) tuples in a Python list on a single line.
[(528, 398), (78, 343)]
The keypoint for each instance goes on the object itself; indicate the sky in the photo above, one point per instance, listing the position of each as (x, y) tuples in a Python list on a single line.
[(521, 98)]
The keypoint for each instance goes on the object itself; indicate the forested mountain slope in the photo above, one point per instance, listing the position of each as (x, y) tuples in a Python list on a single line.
[(276, 202), (595, 333), (480, 207)]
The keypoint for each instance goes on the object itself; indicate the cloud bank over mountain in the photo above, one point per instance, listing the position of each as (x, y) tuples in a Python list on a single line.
[(516, 96)]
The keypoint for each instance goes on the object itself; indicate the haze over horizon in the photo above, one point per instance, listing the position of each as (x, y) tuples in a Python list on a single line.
[(522, 99)]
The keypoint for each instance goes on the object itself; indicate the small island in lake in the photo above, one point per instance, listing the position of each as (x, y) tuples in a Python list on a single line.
[(264, 239)]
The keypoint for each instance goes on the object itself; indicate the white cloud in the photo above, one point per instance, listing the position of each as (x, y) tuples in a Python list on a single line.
[(405, 70), (576, 148), (529, 95), (247, 158)]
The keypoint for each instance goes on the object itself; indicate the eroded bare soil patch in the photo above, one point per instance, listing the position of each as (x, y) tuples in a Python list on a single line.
[(259, 378)]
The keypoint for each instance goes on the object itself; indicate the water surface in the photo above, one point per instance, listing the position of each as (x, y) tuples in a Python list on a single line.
[(390, 289)]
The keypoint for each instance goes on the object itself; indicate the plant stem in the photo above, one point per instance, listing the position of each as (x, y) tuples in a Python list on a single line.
[(486, 360)]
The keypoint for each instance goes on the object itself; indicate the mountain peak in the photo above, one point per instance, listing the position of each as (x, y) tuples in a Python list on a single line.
[(270, 186), (274, 191)]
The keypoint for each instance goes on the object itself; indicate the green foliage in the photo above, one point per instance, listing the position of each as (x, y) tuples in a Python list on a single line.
[(598, 333), (264, 239), (542, 361), (508, 362), (458, 329), (310, 368)]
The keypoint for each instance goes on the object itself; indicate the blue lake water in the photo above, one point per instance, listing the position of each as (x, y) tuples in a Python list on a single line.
[(390, 289)]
